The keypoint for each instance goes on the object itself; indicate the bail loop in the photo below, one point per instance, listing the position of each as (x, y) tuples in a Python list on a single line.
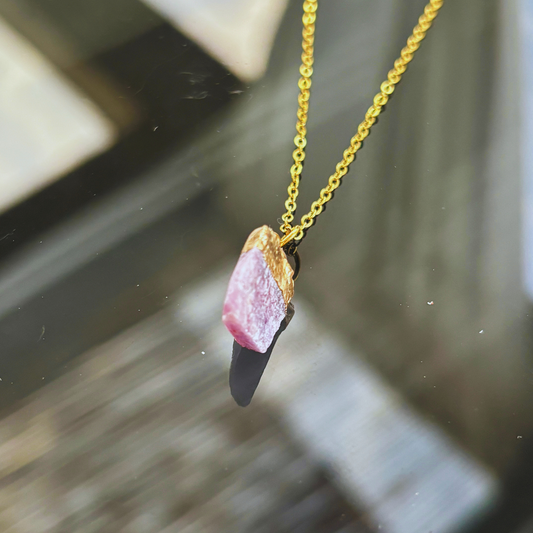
[(291, 250)]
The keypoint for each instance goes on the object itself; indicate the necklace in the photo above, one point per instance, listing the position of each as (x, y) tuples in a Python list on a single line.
[(257, 307)]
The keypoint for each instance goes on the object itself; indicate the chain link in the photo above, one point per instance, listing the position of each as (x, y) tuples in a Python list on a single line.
[(304, 83), (296, 233)]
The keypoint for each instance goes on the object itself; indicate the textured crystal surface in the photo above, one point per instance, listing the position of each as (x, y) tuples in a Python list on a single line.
[(254, 306)]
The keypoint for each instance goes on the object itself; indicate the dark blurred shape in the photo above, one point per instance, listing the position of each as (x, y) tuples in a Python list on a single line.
[(248, 366)]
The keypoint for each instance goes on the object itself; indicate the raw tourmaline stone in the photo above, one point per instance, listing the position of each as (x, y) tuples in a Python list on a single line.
[(254, 305), (248, 366), (259, 291)]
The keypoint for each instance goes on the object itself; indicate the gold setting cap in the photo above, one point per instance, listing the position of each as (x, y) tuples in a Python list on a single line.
[(268, 241)]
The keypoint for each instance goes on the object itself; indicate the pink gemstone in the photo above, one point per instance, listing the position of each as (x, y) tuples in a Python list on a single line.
[(254, 306)]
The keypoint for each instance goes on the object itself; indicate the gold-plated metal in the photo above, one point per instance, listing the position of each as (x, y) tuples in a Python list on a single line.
[(291, 235), (297, 232), (306, 71), (292, 251), (268, 241)]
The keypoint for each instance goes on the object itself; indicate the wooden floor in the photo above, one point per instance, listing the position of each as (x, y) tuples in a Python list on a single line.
[(141, 435)]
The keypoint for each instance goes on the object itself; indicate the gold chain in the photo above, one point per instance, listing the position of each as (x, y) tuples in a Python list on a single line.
[(296, 233)]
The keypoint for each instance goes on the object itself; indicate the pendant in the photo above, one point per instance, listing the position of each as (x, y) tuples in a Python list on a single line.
[(259, 292)]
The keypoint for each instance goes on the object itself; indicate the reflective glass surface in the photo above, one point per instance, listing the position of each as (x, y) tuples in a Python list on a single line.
[(141, 142)]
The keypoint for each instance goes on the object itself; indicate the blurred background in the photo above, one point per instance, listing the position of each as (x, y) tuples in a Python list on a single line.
[(141, 142)]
